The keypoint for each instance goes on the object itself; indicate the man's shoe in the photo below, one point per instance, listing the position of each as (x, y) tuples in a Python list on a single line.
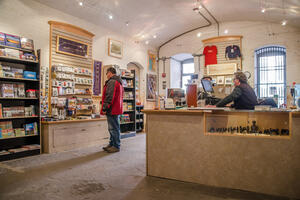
[(105, 148), (112, 149)]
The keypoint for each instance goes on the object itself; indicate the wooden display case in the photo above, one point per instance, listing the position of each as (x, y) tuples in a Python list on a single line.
[(248, 124)]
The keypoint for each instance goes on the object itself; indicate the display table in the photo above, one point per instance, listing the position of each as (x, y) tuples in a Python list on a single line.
[(70, 134), (202, 147)]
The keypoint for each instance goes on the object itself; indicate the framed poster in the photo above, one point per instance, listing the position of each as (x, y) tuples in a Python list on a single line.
[(97, 77), (69, 46), (115, 48), (151, 61), (151, 87)]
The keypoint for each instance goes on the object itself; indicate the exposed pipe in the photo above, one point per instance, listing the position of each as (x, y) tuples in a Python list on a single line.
[(212, 17), (158, 59)]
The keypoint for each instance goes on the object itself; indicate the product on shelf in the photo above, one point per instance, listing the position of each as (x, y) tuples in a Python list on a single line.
[(30, 93), (12, 40), (7, 90), (2, 38), (12, 53), (19, 132), (27, 43), (6, 129), (29, 74), (14, 111), (124, 118), (31, 129)]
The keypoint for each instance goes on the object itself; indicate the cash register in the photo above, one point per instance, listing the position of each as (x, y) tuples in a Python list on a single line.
[(208, 93)]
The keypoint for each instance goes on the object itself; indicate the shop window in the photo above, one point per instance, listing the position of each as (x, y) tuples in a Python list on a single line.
[(187, 71), (270, 67)]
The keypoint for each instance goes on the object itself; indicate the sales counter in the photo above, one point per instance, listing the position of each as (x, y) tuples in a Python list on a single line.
[(65, 135), (247, 150)]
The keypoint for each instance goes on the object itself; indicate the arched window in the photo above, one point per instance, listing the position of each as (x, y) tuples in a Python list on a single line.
[(270, 67)]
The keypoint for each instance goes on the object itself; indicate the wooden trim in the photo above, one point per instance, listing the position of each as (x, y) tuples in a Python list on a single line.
[(222, 39), (72, 121), (71, 28), (74, 40), (50, 71)]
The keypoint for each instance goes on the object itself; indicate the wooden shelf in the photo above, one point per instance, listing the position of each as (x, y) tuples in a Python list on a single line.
[(18, 137), (21, 117), (127, 77), (20, 154), (83, 84), (83, 75), (18, 79), (18, 98), (250, 135), (128, 122), (21, 49), (6, 58)]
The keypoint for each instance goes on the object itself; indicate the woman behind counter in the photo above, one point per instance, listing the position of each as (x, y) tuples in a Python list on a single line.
[(243, 95)]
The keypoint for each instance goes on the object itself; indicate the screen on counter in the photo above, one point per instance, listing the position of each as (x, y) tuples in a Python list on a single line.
[(206, 84)]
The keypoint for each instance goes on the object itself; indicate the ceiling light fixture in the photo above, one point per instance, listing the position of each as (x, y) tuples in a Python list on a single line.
[(147, 42), (127, 23), (283, 23), (154, 36), (263, 10), (143, 36), (80, 3), (199, 34), (110, 17), (226, 31)]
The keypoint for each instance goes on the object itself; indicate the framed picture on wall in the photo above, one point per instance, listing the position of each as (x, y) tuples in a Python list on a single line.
[(151, 61), (115, 48), (220, 80), (228, 80), (73, 47), (151, 87)]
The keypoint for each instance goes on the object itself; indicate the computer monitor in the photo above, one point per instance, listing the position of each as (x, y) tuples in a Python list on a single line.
[(207, 86)]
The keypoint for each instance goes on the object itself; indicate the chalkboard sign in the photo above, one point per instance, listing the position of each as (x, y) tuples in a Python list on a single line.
[(72, 47)]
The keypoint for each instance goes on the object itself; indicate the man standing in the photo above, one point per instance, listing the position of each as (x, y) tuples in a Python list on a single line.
[(112, 107)]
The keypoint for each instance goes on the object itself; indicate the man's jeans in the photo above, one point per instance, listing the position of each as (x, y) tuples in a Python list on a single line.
[(113, 122)]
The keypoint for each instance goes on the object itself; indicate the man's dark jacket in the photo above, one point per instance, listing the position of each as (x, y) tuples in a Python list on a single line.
[(243, 97), (112, 96)]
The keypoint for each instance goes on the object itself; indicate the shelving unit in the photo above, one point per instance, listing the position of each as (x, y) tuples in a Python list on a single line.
[(139, 118), (16, 146), (128, 128)]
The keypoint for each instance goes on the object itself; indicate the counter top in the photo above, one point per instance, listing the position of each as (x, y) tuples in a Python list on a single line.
[(205, 110), (73, 121)]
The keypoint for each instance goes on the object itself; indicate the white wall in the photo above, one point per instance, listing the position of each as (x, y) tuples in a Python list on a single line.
[(175, 75), (30, 19), (255, 35)]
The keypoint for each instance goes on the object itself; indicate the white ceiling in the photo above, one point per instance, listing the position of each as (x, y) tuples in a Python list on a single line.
[(168, 18)]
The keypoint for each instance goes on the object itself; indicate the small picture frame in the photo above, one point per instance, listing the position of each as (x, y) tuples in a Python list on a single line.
[(220, 80), (115, 48), (228, 81)]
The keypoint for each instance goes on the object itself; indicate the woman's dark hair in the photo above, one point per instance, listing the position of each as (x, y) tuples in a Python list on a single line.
[(241, 77), (112, 70)]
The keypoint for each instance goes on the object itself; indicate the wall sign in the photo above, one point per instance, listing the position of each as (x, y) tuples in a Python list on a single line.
[(97, 77), (72, 47)]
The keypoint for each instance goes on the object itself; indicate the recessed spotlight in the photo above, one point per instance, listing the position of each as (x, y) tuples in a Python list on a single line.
[(143, 36), (263, 10), (110, 17), (80, 3), (127, 23), (199, 34), (199, 7), (226, 31), (283, 23), (154, 36), (147, 42)]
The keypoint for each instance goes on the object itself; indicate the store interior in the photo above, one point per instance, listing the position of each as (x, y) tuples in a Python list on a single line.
[(176, 61)]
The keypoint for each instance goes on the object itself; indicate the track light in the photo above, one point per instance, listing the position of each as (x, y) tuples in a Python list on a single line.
[(283, 23), (80, 3), (263, 10)]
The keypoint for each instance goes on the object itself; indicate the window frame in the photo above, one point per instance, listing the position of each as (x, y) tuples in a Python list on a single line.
[(186, 61), (265, 51)]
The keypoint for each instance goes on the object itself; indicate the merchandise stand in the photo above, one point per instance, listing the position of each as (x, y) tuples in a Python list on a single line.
[(19, 144)]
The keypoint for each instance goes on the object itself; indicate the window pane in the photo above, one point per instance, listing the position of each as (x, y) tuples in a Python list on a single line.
[(185, 80), (188, 68)]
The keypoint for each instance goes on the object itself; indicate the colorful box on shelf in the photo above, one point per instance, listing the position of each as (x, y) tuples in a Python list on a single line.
[(12, 41), (29, 74)]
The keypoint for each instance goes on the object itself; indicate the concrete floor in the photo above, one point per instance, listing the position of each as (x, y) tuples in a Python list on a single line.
[(91, 173)]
